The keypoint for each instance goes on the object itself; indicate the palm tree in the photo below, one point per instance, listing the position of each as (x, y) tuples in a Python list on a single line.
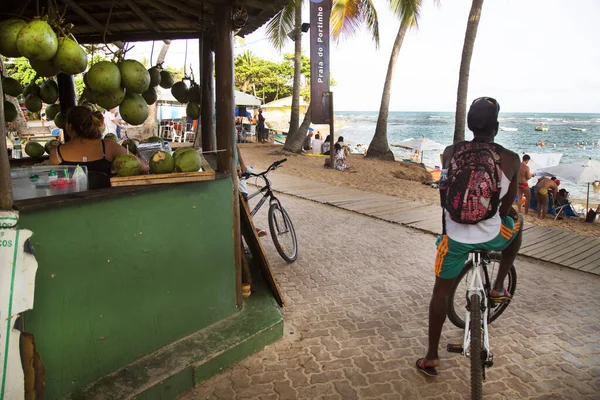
[(346, 17), (408, 12), (465, 66)]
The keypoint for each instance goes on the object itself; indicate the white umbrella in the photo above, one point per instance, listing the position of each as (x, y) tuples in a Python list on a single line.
[(420, 144), (578, 172)]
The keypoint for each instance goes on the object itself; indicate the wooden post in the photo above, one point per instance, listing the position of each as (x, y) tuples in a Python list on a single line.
[(331, 130), (226, 136), (6, 196), (198, 131), (66, 96), (209, 141)]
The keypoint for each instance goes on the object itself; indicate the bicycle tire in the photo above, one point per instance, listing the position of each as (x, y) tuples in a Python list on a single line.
[(456, 306), (281, 225), (476, 348)]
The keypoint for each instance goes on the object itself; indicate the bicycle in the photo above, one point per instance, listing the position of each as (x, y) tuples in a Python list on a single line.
[(478, 279), (280, 224)]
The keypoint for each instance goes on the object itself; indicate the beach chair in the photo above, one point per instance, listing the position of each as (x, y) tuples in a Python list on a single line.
[(562, 206)]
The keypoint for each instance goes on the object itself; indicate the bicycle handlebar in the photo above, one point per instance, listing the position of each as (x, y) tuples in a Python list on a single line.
[(273, 166)]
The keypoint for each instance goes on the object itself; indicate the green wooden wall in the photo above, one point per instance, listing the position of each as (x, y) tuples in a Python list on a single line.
[(119, 278)]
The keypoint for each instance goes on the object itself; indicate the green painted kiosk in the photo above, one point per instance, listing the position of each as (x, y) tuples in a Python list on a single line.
[(138, 289)]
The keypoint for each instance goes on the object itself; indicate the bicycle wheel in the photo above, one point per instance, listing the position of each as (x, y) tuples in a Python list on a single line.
[(282, 232), (476, 347), (457, 301)]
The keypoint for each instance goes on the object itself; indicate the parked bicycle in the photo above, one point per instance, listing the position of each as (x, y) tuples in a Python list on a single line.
[(280, 224), (476, 281)]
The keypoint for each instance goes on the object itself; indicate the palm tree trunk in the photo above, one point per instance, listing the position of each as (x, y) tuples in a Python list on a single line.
[(295, 144), (6, 196), (150, 124), (379, 147), (295, 115), (20, 123), (465, 66)]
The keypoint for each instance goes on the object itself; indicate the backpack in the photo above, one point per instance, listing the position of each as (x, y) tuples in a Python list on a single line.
[(471, 191)]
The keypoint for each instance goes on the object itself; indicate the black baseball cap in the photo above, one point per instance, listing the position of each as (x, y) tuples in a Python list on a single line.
[(483, 115)]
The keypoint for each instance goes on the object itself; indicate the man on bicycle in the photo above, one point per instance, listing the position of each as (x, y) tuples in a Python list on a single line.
[(478, 188)]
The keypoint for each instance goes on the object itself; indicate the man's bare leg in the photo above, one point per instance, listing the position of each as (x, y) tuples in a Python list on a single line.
[(527, 194), (437, 316), (520, 194), (508, 258)]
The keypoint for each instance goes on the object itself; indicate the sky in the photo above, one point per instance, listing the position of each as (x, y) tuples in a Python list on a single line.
[(531, 55)]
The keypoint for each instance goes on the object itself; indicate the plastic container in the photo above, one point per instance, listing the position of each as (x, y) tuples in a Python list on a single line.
[(17, 149), (47, 180), (167, 148)]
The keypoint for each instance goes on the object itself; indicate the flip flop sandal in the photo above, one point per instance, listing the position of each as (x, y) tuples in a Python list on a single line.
[(429, 371), (500, 298), (261, 232)]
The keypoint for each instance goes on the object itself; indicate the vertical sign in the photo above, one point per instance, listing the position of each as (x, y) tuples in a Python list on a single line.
[(319, 59), (17, 282)]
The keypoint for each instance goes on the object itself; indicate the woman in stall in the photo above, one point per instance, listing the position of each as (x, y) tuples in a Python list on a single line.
[(87, 148)]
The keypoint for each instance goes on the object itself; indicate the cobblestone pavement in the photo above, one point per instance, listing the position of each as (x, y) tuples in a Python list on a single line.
[(355, 326)]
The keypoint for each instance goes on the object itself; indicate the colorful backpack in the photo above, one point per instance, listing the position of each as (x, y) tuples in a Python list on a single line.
[(471, 192)]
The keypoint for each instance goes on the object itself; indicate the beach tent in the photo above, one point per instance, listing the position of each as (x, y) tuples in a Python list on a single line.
[(420, 144), (243, 99), (578, 172)]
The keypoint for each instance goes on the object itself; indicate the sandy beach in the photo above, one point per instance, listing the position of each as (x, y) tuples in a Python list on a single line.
[(377, 176)]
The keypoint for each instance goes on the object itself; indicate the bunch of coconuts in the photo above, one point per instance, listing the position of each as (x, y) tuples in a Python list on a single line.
[(48, 55), (127, 84), (190, 95)]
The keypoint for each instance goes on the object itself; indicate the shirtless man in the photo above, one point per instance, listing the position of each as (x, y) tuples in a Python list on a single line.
[(502, 232), (524, 176), (541, 194)]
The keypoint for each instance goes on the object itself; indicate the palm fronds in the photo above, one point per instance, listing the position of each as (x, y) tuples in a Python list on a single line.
[(281, 24), (347, 16), (408, 11)]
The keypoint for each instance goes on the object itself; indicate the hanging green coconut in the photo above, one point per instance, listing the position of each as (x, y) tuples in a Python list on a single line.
[(166, 80), (150, 96), (180, 92), (11, 87), (37, 41), (154, 76), (134, 76), (104, 77), (194, 93), (111, 99), (46, 68), (49, 92), (10, 111), (134, 109), (32, 88), (9, 30), (70, 57), (51, 111), (192, 110), (33, 103), (59, 120)]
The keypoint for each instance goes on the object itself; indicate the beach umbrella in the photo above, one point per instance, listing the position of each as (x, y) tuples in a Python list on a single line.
[(420, 144), (578, 172)]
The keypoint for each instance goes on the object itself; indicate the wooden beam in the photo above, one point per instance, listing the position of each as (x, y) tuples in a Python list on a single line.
[(6, 195), (209, 140), (169, 12), (183, 7), (153, 26), (83, 14), (136, 36)]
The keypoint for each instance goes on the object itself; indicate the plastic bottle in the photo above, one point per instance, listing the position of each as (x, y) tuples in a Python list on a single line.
[(80, 178), (167, 148), (17, 149)]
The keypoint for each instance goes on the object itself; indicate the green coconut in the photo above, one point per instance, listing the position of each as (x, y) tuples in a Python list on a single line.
[(104, 77), (150, 96), (133, 109), (11, 87), (126, 165), (10, 111), (37, 41), (70, 57), (32, 88), (166, 80), (33, 103), (9, 30), (162, 163), (180, 150), (88, 95), (49, 92), (59, 120), (154, 76), (130, 145), (50, 144), (109, 100), (134, 76), (111, 136), (188, 161), (154, 139), (51, 111), (194, 94), (34, 149), (192, 110), (180, 92), (45, 68)]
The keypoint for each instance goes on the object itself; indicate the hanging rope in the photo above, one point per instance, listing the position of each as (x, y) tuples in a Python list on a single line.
[(151, 53), (185, 60), (107, 21)]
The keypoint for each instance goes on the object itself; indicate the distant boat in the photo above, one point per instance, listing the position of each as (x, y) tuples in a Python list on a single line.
[(578, 129), (508, 129), (541, 127)]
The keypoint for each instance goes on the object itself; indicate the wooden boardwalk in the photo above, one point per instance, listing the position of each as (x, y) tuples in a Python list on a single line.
[(554, 245)]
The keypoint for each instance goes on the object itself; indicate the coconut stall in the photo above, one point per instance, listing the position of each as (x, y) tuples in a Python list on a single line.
[(132, 289)]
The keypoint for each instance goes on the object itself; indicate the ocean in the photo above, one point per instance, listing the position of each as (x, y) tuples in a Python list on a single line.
[(359, 126)]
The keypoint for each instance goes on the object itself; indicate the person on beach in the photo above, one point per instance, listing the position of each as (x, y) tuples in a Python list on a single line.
[(326, 148), (482, 217), (262, 137), (317, 144), (524, 176), (341, 152), (307, 144), (541, 190)]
